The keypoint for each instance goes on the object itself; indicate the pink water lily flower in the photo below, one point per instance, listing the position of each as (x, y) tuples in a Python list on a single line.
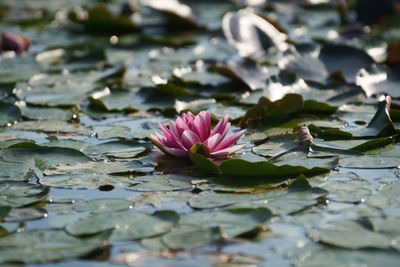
[(188, 130)]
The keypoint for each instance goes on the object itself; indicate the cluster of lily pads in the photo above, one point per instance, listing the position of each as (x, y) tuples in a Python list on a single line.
[(316, 183)]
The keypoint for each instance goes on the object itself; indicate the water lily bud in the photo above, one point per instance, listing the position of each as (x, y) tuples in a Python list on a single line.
[(14, 42), (305, 135)]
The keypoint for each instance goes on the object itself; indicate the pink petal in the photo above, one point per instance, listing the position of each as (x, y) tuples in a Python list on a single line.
[(171, 136), (230, 141), (189, 138), (165, 130), (220, 126), (199, 126), (181, 125), (206, 121), (226, 130), (189, 118), (212, 141), (166, 142), (226, 151), (167, 150), (177, 152), (174, 129)]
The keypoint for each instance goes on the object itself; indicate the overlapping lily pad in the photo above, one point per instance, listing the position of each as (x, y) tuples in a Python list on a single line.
[(127, 225), (47, 245)]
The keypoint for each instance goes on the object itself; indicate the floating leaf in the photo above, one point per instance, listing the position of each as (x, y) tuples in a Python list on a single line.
[(50, 126), (289, 104), (47, 245), (19, 194), (8, 113), (100, 20), (103, 205), (307, 65), (190, 236), (118, 149), (19, 164), (127, 225), (161, 183), (231, 222), (180, 14), (351, 235), (251, 74), (299, 196), (378, 79), (25, 214), (251, 34), (381, 124), (347, 59)]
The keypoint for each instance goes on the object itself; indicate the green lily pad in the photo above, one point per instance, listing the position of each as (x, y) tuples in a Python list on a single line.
[(44, 113), (133, 100), (93, 175), (389, 225), (306, 65), (103, 205), (330, 256), (251, 74), (380, 125), (67, 143), (264, 109), (50, 126), (118, 149), (276, 145), (25, 214), (100, 20), (127, 225), (17, 69), (297, 197), (231, 222), (8, 113), (386, 197), (161, 183), (47, 245), (19, 194), (85, 181), (351, 235), (349, 60), (19, 164), (190, 236), (286, 165)]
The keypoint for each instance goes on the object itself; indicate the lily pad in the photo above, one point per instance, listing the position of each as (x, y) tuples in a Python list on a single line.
[(378, 79), (279, 167), (352, 235), (47, 245), (118, 149), (19, 164), (279, 202), (248, 72), (347, 59), (231, 222), (190, 236), (8, 113), (103, 205), (127, 225), (161, 183), (251, 34), (19, 194), (265, 109), (25, 214)]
